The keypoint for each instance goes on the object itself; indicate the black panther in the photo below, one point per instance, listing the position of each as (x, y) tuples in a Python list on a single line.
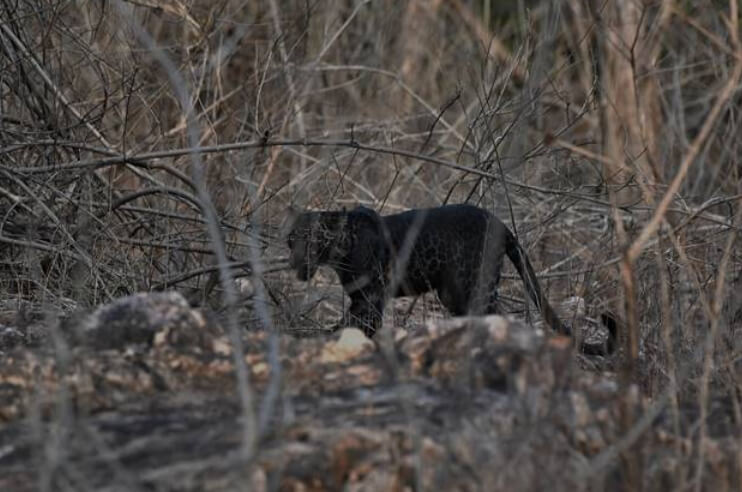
[(455, 250)]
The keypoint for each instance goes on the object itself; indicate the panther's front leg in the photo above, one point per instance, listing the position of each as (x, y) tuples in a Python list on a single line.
[(365, 312)]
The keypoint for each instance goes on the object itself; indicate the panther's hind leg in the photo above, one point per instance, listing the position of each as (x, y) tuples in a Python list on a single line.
[(492, 304), (484, 298), (455, 298)]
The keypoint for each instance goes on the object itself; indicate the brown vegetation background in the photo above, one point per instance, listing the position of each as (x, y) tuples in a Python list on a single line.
[(145, 143)]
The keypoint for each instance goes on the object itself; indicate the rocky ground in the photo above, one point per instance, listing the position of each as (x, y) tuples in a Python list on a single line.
[(141, 395)]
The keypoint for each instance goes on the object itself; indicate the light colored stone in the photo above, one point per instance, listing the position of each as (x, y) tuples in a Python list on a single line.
[(351, 344)]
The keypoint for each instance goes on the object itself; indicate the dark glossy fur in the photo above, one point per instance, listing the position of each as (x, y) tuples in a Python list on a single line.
[(456, 250)]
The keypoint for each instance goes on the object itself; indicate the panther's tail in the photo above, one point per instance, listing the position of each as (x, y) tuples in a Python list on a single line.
[(519, 258)]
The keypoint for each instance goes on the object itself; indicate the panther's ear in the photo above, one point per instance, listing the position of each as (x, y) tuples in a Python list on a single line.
[(366, 219), (371, 234), (335, 221), (368, 215), (292, 214)]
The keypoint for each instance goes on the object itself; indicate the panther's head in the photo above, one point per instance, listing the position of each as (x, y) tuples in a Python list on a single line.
[(313, 239)]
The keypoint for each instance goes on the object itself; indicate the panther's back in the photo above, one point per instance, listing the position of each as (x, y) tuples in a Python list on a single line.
[(446, 244)]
